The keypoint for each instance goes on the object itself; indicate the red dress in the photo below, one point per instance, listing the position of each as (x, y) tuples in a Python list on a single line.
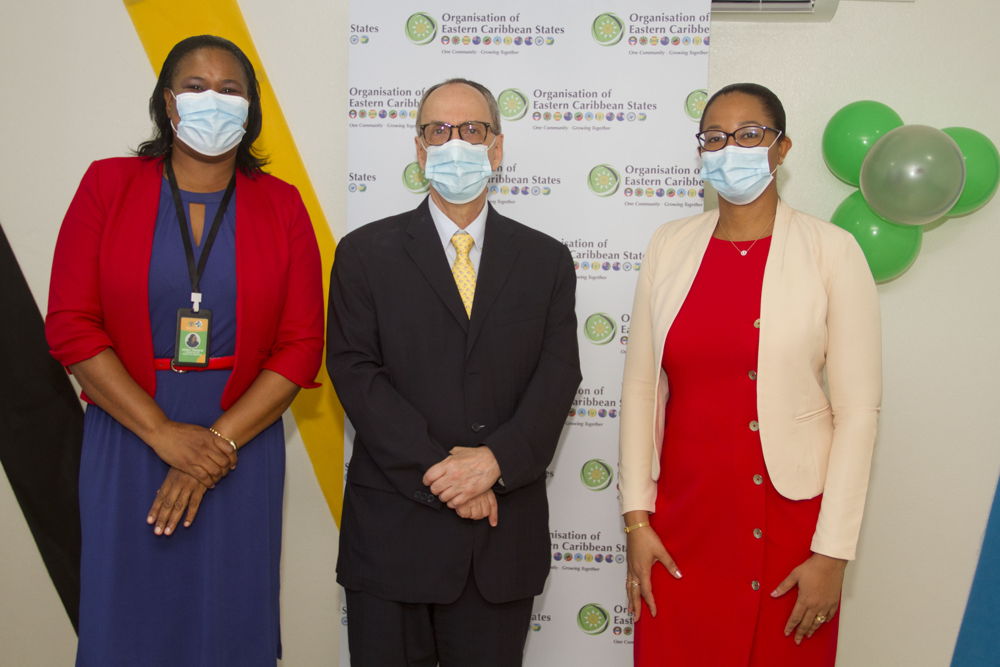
[(733, 536)]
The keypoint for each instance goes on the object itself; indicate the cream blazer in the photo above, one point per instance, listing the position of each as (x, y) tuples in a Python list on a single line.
[(819, 320)]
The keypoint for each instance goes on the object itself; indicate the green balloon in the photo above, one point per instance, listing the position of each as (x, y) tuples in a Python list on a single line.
[(913, 175), (889, 248), (982, 168), (851, 132)]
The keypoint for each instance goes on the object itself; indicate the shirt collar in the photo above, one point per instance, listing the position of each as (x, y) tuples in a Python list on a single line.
[(446, 227)]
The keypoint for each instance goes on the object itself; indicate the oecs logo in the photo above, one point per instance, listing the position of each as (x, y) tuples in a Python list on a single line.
[(596, 475), (599, 329), (603, 180), (421, 28), (694, 103), (513, 104), (592, 618), (414, 179), (607, 29)]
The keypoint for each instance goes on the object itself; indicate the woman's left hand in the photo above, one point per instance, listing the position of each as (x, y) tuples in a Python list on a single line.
[(178, 492), (819, 579)]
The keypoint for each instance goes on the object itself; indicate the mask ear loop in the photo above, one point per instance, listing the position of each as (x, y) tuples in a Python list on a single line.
[(172, 126), (776, 139)]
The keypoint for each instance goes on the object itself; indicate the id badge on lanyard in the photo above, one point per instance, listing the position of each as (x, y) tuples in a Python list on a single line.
[(193, 331), (194, 324)]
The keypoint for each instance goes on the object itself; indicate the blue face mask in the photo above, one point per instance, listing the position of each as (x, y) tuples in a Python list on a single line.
[(211, 123), (740, 175), (458, 170)]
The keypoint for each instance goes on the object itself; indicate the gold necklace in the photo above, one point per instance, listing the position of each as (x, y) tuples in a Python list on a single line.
[(743, 253)]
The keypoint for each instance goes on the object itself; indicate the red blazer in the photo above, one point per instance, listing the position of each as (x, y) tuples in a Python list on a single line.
[(99, 293)]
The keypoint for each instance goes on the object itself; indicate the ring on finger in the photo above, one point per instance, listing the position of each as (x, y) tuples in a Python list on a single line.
[(820, 618)]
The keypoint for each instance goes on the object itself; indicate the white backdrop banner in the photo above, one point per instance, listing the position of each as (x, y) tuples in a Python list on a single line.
[(600, 106)]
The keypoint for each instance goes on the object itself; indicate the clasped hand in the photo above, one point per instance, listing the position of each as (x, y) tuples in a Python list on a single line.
[(194, 450), (464, 481), (178, 491), (198, 460)]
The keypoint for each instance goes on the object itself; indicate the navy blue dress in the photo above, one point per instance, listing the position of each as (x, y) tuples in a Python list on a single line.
[(206, 596)]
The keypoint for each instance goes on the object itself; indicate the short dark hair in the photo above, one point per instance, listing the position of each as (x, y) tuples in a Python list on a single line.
[(767, 98), (248, 160), (491, 102)]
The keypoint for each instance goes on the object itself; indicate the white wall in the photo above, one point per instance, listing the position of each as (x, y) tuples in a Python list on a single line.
[(75, 81)]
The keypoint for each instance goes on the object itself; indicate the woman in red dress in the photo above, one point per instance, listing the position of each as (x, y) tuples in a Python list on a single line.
[(750, 399)]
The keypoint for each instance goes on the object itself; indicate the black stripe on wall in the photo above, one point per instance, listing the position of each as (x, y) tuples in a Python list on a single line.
[(41, 428)]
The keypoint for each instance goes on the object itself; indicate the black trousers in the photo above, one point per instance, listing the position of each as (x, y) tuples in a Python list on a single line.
[(469, 632)]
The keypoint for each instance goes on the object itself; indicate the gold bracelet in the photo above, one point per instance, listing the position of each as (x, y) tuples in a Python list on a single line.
[(229, 440), (636, 526)]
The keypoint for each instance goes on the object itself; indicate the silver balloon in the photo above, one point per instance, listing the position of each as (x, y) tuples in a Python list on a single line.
[(913, 175)]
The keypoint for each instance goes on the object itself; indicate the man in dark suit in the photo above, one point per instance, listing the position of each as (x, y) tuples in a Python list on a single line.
[(453, 348)]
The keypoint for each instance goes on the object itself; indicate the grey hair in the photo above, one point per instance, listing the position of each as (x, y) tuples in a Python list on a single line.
[(491, 102)]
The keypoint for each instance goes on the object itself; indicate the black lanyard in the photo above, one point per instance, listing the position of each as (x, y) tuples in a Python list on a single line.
[(195, 272)]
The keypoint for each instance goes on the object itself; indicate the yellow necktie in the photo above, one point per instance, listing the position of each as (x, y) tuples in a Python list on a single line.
[(462, 270)]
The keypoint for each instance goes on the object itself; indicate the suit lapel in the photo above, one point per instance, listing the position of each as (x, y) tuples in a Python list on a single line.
[(132, 247), (499, 252), (424, 247), (778, 281), (253, 249), (677, 263)]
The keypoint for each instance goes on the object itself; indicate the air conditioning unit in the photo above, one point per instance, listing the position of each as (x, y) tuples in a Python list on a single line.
[(773, 10)]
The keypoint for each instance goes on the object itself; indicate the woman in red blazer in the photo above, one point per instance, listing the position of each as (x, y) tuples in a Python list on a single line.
[(188, 236)]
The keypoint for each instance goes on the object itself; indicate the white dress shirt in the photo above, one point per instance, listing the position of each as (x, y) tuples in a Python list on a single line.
[(447, 228)]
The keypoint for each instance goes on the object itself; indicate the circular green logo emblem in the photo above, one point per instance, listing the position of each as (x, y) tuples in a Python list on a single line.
[(592, 619), (596, 475), (603, 180), (513, 104), (694, 103), (420, 28), (599, 329), (413, 179), (607, 29)]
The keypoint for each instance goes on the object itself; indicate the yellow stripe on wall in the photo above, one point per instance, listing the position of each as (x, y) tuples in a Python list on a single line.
[(161, 24)]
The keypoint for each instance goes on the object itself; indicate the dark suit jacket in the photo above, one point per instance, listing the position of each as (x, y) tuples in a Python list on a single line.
[(417, 377)]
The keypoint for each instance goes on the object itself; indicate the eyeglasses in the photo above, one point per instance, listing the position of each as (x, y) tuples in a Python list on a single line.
[(747, 136), (438, 133)]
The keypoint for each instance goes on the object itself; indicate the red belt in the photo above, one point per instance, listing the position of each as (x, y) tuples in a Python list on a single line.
[(214, 364)]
